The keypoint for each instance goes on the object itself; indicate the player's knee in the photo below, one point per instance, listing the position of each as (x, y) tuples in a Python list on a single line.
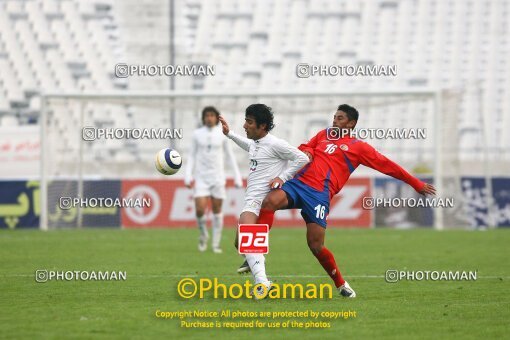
[(270, 202), (315, 245), (216, 207), (199, 210), (265, 203)]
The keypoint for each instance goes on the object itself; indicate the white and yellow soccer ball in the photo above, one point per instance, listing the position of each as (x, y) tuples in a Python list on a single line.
[(168, 161)]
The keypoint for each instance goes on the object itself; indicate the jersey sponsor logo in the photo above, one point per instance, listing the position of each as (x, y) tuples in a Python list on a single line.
[(253, 165), (344, 147), (253, 238)]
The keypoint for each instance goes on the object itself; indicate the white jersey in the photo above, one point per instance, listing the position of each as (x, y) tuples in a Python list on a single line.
[(270, 157), (206, 159)]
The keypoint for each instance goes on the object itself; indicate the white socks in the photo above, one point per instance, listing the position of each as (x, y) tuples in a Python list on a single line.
[(257, 264), (217, 227), (202, 227)]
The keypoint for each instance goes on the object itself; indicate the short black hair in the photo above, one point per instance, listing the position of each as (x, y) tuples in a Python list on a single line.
[(352, 113), (262, 114), (210, 109)]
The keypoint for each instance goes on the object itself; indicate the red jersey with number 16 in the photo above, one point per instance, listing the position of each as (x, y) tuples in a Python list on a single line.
[(335, 160)]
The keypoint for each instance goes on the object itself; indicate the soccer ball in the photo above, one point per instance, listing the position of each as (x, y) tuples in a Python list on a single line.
[(168, 161)]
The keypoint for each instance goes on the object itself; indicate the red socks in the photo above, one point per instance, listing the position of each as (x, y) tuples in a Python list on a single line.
[(266, 216), (327, 260), (325, 257)]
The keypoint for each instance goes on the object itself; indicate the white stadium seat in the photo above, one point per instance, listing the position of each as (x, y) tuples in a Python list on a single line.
[(72, 46)]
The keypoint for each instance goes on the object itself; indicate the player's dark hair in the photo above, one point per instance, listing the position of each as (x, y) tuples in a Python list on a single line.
[(262, 114), (210, 109), (352, 113)]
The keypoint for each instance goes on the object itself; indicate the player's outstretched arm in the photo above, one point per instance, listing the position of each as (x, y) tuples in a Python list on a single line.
[(370, 157), (428, 189), (224, 125), (243, 143)]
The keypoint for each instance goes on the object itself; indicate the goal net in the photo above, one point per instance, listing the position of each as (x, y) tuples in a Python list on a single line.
[(97, 146)]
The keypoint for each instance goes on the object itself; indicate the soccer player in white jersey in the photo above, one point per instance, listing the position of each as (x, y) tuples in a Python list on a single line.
[(272, 162), (206, 166)]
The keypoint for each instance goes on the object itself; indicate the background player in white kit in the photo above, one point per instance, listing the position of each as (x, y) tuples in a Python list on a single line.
[(272, 162), (206, 166)]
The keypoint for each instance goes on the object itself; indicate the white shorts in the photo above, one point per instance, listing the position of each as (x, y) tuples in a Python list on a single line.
[(203, 189), (254, 203), (252, 206)]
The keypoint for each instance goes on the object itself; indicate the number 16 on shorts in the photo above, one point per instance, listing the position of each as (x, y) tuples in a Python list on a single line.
[(253, 238)]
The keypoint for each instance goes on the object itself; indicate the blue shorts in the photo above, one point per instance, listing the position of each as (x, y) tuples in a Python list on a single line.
[(314, 204)]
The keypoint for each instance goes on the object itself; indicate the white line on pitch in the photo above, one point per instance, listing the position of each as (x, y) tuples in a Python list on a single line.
[(241, 276)]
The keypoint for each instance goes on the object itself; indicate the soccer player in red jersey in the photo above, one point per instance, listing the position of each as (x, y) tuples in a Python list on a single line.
[(334, 157)]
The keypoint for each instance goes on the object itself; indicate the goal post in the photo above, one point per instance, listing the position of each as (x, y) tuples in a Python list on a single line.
[(70, 163)]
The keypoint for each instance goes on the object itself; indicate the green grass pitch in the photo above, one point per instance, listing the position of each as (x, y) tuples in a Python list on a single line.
[(155, 260)]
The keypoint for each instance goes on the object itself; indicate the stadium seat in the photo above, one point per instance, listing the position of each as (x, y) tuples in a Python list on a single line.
[(72, 46)]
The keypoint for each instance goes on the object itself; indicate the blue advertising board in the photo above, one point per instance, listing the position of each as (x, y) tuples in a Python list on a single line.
[(19, 204)]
